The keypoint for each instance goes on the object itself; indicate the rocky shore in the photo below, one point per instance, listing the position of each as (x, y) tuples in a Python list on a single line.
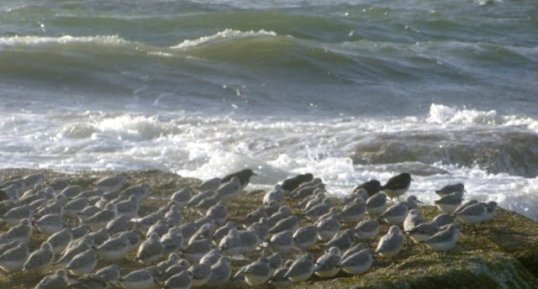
[(502, 253)]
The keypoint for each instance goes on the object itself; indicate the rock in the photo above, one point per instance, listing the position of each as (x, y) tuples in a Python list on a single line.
[(500, 254)]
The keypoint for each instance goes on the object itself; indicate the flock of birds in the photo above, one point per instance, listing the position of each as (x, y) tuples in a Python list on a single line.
[(87, 229)]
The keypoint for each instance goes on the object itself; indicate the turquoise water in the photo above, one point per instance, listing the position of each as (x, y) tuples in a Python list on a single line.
[(347, 89)]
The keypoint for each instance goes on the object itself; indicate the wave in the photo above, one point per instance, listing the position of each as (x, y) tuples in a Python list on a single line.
[(24, 41)]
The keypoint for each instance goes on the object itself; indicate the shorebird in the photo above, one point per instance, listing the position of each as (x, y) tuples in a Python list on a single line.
[(50, 224), (20, 233), (445, 239), (150, 250), (375, 205), (201, 272), (328, 226), (290, 223), (243, 176), (197, 249), (109, 274), (305, 238), (391, 243), (182, 196), (60, 240), (292, 183), (328, 264), (181, 280), (220, 273), (138, 279), (448, 203), (13, 259), (396, 213), (397, 185), (218, 212), (491, 210), (371, 187), (279, 278), (16, 214), (274, 195), (172, 240), (353, 212), (83, 263), (413, 219), (450, 189), (111, 183), (301, 269), (282, 242), (358, 263), (114, 249), (76, 247), (54, 281), (128, 207), (473, 214), (40, 258), (342, 240), (257, 272), (229, 189)]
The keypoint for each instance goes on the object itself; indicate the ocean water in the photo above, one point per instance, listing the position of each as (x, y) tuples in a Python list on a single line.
[(349, 90)]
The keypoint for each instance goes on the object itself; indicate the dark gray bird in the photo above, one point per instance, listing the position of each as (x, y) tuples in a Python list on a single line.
[(242, 175), (292, 183), (397, 185), (449, 189), (372, 187)]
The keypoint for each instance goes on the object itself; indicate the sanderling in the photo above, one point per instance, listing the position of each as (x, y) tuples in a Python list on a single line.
[(443, 219), (83, 263), (473, 214), (356, 248), (114, 249), (197, 249), (99, 219), (182, 196), (328, 264), (413, 219), (201, 272), (54, 281), (40, 258), (109, 274), (50, 224), (445, 239), (306, 237), (99, 236), (20, 233), (223, 230), (71, 191), (283, 212), (448, 203), (119, 224), (257, 272), (138, 279), (358, 263), (343, 240), (76, 247), (73, 207), (307, 188), (274, 195), (211, 257), (220, 273), (16, 214), (450, 189), (173, 216), (282, 242), (301, 269), (279, 278), (290, 223), (353, 212), (229, 190), (328, 226), (391, 243), (412, 202), (60, 240), (111, 183), (396, 213), (423, 231), (13, 259), (172, 240), (397, 185), (181, 280), (128, 207), (375, 205), (209, 185), (367, 229), (218, 212), (150, 250)]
